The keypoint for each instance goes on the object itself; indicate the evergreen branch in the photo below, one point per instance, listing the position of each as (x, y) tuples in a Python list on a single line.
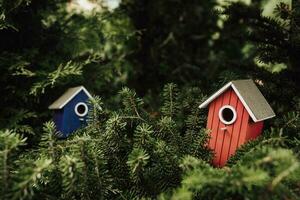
[(284, 174), (137, 159), (71, 171), (48, 140), (29, 179), (170, 96), (9, 143), (63, 71), (131, 102)]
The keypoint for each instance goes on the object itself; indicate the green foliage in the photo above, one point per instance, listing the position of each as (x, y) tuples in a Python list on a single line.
[(131, 103), (170, 95), (154, 146), (61, 72), (72, 177), (10, 143), (49, 44), (27, 179), (126, 156), (266, 176), (121, 155), (137, 159)]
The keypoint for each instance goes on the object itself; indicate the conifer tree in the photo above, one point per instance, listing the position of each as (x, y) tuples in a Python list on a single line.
[(147, 141)]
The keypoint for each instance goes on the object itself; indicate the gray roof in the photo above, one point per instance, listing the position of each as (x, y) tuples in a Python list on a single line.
[(253, 100), (68, 96)]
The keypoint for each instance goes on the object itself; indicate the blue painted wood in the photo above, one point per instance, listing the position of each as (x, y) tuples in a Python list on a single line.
[(66, 119), (58, 119)]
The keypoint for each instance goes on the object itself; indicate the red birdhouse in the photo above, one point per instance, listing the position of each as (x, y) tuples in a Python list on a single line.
[(236, 115)]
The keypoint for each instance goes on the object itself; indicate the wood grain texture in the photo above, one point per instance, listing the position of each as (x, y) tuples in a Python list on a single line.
[(236, 128), (210, 119), (229, 131), (244, 127), (215, 124), (224, 143), (237, 133), (220, 132)]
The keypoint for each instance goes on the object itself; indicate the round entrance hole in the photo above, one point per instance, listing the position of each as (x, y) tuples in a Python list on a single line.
[(227, 114), (81, 109)]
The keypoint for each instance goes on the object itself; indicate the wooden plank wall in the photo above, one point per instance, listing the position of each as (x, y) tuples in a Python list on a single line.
[(225, 142)]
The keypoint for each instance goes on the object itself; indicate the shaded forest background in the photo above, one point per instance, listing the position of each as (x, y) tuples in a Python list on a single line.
[(152, 63)]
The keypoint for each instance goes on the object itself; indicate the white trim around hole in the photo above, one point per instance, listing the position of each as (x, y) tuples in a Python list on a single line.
[(221, 114), (76, 109)]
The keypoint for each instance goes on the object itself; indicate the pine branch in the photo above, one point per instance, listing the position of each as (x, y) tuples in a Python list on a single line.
[(137, 160), (71, 172), (63, 71), (9, 143), (28, 178), (131, 103), (170, 97)]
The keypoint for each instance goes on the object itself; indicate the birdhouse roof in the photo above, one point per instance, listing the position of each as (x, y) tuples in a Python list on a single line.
[(250, 96), (67, 97)]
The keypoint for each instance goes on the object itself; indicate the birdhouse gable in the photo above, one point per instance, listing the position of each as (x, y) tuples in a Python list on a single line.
[(250, 96), (71, 110), (67, 97)]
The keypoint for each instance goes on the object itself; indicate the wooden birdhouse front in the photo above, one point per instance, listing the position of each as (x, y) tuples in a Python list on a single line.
[(70, 110), (236, 115)]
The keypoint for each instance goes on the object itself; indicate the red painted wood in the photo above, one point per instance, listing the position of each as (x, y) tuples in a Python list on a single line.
[(254, 130), (257, 129), (236, 128), (229, 131), (244, 127), (215, 124), (210, 117), (225, 143), (220, 133)]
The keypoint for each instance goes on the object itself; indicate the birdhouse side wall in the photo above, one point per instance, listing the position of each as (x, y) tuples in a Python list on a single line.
[(254, 130), (225, 139), (71, 121), (58, 119)]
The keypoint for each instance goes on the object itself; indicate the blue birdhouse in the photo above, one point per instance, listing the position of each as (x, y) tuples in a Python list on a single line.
[(70, 110)]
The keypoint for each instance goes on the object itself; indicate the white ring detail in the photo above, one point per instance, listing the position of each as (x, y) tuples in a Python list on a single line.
[(221, 116), (81, 114)]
